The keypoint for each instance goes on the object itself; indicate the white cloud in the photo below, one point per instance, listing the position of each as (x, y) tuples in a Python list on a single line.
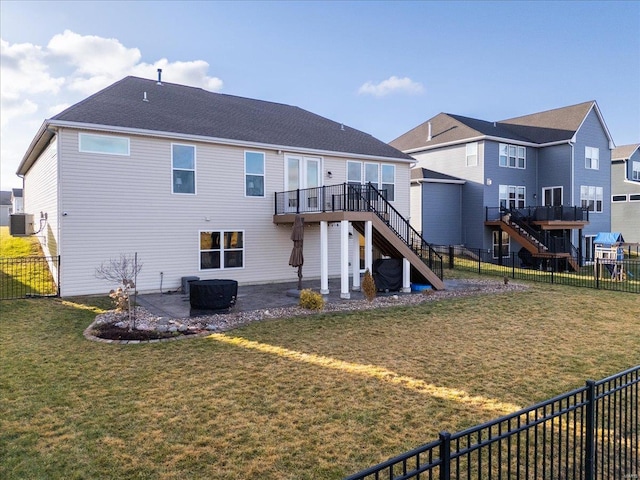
[(391, 85), (40, 81), (14, 108), (23, 69)]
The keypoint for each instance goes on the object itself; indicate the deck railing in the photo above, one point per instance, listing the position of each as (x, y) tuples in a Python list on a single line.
[(557, 213), (358, 198)]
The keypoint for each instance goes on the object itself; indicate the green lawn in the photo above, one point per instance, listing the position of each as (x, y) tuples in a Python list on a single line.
[(20, 272), (318, 397)]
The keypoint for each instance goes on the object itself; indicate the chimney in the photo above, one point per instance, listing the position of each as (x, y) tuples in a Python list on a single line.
[(429, 132), (159, 77)]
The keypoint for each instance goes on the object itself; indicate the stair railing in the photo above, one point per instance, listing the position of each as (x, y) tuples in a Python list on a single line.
[(520, 220), (377, 203)]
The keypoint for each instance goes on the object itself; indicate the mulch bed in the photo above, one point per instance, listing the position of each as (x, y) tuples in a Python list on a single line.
[(112, 332)]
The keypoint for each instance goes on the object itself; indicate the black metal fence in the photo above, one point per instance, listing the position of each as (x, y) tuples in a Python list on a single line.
[(618, 275), (591, 433), (29, 277)]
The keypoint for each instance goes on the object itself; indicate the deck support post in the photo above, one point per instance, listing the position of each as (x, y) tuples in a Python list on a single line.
[(406, 276), (344, 260), (324, 258), (368, 246), (355, 261)]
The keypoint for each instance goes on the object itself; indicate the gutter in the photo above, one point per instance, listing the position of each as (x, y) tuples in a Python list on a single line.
[(486, 137)]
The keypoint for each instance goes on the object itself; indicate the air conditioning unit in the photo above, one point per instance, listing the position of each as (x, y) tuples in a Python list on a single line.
[(185, 283), (21, 224)]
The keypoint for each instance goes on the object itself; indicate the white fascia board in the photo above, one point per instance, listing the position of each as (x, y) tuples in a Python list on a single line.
[(487, 137), (221, 141), (39, 143), (437, 180), (595, 107)]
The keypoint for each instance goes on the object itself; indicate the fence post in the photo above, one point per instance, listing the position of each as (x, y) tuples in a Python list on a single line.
[(589, 448), (513, 265), (451, 253), (596, 272), (479, 260), (445, 455)]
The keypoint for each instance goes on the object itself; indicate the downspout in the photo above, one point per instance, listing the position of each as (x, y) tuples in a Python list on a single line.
[(572, 145)]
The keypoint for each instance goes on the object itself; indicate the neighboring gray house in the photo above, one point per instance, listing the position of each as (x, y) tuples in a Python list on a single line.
[(536, 172), (205, 184), (16, 201), (5, 208), (625, 191)]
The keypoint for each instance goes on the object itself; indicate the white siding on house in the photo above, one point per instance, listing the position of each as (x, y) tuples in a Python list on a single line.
[(123, 204), (40, 196)]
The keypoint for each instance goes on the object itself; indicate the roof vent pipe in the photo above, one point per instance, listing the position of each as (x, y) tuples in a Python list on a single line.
[(144, 98), (429, 132), (159, 77)]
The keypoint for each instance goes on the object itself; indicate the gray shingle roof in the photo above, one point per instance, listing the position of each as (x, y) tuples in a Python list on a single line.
[(550, 126), (193, 111), (624, 152), (426, 174)]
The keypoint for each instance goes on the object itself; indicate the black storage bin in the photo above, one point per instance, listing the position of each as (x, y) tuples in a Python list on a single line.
[(387, 274), (212, 294)]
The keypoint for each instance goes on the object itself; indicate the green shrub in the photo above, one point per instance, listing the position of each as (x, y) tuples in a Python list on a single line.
[(311, 300), (368, 286)]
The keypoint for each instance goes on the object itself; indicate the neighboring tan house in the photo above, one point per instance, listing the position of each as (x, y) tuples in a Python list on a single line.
[(625, 191), (208, 185), (539, 182), (5, 208)]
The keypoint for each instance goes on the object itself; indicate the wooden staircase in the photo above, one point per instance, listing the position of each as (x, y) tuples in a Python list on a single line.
[(532, 244)]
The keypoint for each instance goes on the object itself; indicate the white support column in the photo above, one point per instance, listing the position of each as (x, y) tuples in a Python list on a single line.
[(355, 261), (344, 259), (406, 276), (368, 246), (324, 258)]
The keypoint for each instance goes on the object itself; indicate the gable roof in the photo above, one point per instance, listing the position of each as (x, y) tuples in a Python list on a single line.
[(136, 105), (549, 127), (16, 192), (624, 152)]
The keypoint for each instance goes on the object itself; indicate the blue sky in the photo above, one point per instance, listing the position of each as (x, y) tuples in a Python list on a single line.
[(381, 67)]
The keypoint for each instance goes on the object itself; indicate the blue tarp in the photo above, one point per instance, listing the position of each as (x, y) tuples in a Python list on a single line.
[(608, 238)]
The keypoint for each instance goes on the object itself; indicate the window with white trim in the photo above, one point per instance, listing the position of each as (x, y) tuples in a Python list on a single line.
[(354, 173), (183, 164), (635, 171), (512, 196), (472, 154), (500, 238), (221, 249), (253, 174), (512, 156), (618, 198), (591, 158), (634, 197), (381, 176), (591, 198), (106, 144), (388, 183)]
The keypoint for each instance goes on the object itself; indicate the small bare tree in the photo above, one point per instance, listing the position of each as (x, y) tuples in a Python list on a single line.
[(122, 271)]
